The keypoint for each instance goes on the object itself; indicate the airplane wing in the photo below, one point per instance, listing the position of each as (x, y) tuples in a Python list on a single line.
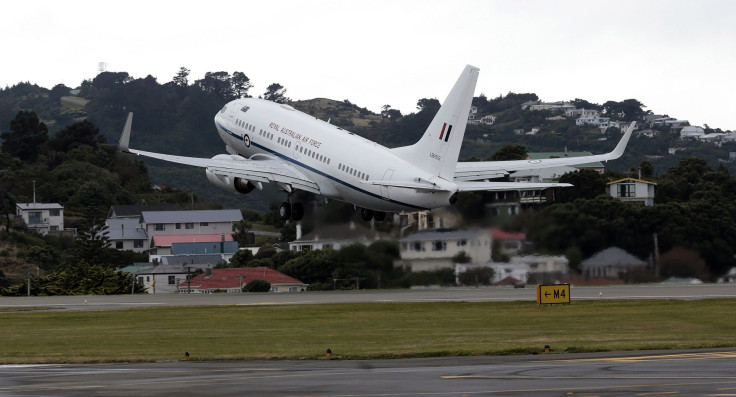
[(266, 170), (479, 170)]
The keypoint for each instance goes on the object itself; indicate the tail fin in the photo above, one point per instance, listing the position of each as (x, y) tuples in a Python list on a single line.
[(438, 149)]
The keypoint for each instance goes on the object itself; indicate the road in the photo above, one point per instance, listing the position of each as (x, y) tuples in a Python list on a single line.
[(699, 372), (491, 294)]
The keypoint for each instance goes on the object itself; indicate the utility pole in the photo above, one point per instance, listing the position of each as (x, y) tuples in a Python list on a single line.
[(189, 280)]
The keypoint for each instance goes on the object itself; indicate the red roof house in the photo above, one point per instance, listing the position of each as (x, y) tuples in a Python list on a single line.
[(233, 280)]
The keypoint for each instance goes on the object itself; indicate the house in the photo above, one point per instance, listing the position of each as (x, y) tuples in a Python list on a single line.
[(611, 263), (134, 211), (550, 174), (584, 113), (162, 244), (43, 218), (632, 190), (508, 243), (163, 279), (189, 222), (522, 269), (334, 237), (596, 121), (126, 234), (691, 132), (542, 268), (233, 280), (433, 250)]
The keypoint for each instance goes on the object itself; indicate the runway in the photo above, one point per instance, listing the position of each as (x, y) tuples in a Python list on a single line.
[(486, 294), (700, 372)]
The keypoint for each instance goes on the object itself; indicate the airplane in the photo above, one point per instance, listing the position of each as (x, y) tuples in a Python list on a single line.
[(270, 142)]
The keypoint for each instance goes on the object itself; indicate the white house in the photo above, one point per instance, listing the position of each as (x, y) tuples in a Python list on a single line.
[(691, 132), (44, 218), (433, 250), (334, 237), (632, 190)]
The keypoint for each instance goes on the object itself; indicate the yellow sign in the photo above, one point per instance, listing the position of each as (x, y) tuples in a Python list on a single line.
[(553, 294)]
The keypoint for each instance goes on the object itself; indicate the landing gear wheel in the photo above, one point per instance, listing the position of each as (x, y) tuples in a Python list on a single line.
[(366, 214), (379, 216), (285, 211), (297, 211)]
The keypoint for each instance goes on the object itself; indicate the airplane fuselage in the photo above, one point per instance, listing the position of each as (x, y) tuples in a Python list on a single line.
[(345, 166)]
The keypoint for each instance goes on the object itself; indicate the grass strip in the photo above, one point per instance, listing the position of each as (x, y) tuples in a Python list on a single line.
[(363, 331)]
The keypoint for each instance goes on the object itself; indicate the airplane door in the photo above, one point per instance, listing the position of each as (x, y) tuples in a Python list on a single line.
[(386, 177)]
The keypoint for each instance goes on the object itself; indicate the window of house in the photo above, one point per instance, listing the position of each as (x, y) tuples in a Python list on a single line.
[(178, 225), (189, 225), (439, 246), (417, 246), (204, 223), (159, 226), (54, 228), (34, 217), (172, 280), (56, 212), (626, 190), (137, 243), (118, 245)]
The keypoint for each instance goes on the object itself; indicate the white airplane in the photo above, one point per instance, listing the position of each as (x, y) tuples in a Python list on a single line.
[(269, 142)]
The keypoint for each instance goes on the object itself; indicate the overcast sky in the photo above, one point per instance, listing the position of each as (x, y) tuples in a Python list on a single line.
[(677, 56)]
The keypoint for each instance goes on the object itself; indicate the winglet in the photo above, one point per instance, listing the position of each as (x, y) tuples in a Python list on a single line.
[(125, 136), (619, 150)]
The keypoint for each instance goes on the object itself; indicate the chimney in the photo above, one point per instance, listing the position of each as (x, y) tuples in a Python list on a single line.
[(298, 230)]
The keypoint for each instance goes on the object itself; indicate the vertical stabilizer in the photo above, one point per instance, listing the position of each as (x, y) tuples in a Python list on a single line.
[(438, 149)]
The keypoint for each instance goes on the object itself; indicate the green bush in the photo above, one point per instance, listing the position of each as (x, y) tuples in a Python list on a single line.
[(257, 286)]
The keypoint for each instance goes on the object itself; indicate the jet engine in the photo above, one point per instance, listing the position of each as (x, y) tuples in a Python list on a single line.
[(231, 183)]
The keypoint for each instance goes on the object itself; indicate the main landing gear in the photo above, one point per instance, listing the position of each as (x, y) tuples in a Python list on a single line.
[(288, 211), (367, 215)]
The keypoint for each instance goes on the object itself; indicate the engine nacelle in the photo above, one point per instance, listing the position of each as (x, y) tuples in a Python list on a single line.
[(230, 183)]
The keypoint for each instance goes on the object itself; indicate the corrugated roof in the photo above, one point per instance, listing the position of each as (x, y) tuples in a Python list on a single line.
[(135, 210), (39, 206), (191, 216), (166, 241), (613, 256), (231, 278), (125, 229)]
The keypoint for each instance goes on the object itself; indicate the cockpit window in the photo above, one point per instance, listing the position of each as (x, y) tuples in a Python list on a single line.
[(224, 108), (244, 109)]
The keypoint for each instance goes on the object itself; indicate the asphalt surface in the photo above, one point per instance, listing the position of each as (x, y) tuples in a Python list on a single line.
[(491, 294), (701, 372)]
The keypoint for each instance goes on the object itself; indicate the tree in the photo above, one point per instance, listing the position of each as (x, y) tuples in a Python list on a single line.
[(59, 91), (257, 286), (587, 184), (181, 78), (627, 110), (27, 137), (241, 258), (75, 135), (276, 93), (681, 262), (509, 152), (241, 85)]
